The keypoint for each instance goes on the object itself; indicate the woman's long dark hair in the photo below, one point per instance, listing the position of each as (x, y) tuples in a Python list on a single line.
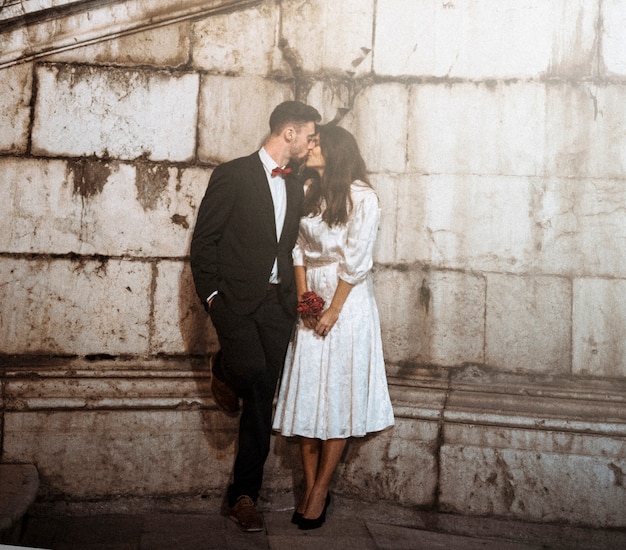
[(344, 164)]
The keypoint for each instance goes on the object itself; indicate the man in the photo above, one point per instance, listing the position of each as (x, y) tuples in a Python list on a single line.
[(241, 263)]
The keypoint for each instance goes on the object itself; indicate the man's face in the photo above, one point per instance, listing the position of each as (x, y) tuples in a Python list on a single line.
[(303, 142)]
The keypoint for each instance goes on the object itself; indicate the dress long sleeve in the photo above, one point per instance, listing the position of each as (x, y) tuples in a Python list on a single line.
[(362, 229), (298, 253)]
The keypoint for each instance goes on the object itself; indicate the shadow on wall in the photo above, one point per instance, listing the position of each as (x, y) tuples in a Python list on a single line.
[(200, 341)]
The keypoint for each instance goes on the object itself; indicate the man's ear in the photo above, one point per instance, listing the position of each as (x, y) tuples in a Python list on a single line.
[(289, 133)]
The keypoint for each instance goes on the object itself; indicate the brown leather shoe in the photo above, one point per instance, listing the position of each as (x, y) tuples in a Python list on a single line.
[(225, 398), (244, 514)]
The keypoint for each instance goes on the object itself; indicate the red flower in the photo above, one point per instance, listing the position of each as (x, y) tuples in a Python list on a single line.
[(311, 304)]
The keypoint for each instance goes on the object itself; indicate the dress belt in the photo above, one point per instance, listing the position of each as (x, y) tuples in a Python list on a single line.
[(312, 263)]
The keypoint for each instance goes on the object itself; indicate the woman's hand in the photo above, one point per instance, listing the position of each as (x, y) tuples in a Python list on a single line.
[(309, 321), (327, 321), (328, 318)]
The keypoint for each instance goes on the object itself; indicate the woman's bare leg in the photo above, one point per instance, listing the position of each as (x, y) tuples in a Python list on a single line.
[(331, 451), (310, 453)]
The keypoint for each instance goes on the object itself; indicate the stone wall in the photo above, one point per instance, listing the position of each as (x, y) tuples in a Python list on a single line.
[(495, 134)]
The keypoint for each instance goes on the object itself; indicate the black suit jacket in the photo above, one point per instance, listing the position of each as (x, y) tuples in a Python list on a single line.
[(234, 242)]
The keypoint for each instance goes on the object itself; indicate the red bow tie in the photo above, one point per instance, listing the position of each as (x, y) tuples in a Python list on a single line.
[(282, 172)]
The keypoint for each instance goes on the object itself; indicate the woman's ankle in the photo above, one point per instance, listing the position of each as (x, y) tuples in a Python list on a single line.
[(315, 504)]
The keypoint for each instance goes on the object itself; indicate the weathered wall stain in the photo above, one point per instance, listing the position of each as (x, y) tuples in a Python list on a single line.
[(89, 176), (151, 181), (618, 473), (425, 295), (178, 219), (508, 481)]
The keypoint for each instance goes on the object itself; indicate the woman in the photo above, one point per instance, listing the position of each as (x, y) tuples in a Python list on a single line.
[(334, 384)]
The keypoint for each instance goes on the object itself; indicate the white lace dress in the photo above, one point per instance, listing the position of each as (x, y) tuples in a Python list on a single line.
[(335, 386)]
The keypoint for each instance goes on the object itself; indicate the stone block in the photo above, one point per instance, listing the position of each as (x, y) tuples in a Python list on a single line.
[(533, 475), (15, 94), (613, 37), (585, 130), (126, 114), (581, 227), (477, 128), (180, 323), (401, 313), (143, 210), (169, 199), (465, 222), (380, 120), (38, 210), (454, 330), (575, 32), (222, 43), (599, 325), (98, 207), (164, 46), (455, 222), (376, 466), (386, 187), (431, 317), (231, 125), (97, 454), (509, 39), (404, 234), (419, 232), (67, 307), (343, 47), (528, 324)]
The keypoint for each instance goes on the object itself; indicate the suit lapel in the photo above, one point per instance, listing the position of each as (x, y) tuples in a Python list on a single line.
[(266, 204), (293, 202)]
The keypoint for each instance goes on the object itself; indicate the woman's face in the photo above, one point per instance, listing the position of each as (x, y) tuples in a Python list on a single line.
[(315, 159)]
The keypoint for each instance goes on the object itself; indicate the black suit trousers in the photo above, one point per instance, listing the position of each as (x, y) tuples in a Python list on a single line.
[(253, 349)]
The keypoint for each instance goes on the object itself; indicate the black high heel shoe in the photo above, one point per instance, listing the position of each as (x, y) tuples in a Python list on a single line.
[(296, 518), (306, 523)]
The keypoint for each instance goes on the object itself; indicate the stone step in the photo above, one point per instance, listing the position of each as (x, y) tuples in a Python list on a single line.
[(19, 484)]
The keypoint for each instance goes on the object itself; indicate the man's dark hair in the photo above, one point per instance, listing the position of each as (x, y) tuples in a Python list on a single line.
[(292, 112)]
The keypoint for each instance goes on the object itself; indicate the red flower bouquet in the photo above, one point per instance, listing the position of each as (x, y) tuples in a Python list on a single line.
[(311, 304)]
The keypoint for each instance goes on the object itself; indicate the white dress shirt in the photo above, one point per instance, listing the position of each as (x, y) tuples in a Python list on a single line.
[(279, 197)]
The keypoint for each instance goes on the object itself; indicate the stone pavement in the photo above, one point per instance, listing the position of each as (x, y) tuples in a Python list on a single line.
[(350, 524)]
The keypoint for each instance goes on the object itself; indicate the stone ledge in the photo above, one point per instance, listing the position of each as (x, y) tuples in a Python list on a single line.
[(467, 395), (116, 384), (75, 27), (478, 396)]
